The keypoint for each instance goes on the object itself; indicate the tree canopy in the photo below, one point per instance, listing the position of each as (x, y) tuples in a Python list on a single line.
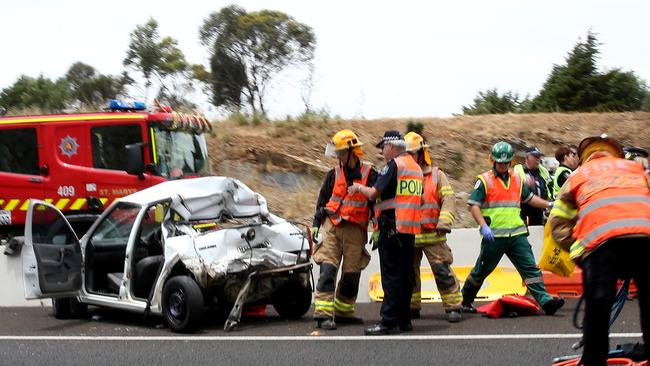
[(90, 88), (41, 92), (491, 102), (247, 50), (575, 86), (159, 59)]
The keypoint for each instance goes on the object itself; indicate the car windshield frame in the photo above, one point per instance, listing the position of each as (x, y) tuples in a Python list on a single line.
[(179, 153)]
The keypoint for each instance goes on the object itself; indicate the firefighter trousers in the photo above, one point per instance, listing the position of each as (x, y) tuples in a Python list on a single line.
[(520, 254), (440, 259), (601, 269), (343, 246)]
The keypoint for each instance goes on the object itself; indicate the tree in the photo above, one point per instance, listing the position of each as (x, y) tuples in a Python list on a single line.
[(90, 88), (490, 102), (247, 50), (578, 86), (41, 92), (160, 60)]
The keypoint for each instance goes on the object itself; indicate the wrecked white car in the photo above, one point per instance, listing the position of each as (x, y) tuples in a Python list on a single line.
[(174, 249)]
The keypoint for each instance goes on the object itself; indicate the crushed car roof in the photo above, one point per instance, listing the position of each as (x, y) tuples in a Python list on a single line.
[(204, 198)]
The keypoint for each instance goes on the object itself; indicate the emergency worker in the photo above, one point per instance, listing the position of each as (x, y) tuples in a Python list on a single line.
[(537, 178), (494, 203), (344, 220), (399, 187), (602, 216), (438, 206), (568, 158), (637, 154)]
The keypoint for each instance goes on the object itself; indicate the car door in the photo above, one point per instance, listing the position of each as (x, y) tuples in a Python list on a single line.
[(51, 254)]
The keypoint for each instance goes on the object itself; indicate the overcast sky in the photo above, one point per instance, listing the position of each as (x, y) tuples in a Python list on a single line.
[(373, 58)]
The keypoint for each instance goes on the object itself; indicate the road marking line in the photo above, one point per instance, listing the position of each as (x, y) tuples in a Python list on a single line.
[(313, 338)]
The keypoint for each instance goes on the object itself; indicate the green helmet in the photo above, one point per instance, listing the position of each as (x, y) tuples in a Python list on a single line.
[(502, 152)]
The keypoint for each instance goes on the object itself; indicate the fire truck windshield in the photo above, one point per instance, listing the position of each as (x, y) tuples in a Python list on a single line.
[(180, 153)]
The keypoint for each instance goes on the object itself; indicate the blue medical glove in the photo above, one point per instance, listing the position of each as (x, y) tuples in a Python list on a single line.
[(487, 233)]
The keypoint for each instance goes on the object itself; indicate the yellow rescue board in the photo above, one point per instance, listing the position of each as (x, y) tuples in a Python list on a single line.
[(503, 281)]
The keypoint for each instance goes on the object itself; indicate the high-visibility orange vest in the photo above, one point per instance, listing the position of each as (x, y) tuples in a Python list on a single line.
[(345, 206), (502, 204), (430, 201), (408, 196), (613, 199)]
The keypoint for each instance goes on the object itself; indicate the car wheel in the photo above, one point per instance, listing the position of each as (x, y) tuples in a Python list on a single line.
[(182, 304), (68, 308), (292, 300)]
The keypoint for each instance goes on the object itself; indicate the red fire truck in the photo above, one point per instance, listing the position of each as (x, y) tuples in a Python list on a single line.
[(81, 163)]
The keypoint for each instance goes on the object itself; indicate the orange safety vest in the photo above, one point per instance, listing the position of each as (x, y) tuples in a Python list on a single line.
[(613, 199), (349, 207), (408, 196), (502, 204), (430, 201)]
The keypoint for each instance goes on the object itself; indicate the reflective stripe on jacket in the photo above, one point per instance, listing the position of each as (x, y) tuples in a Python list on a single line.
[(408, 197), (502, 204), (345, 206), (613, 200), (430, 201), (556, 187)]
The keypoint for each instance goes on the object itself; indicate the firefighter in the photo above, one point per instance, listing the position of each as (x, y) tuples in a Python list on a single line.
[(568, 158), (399, 187), (537, 178), (438, 205), (494, 203), (344, 220), (602, 216)]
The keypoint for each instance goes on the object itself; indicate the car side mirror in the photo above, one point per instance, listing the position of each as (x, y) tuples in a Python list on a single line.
[(134, 159)]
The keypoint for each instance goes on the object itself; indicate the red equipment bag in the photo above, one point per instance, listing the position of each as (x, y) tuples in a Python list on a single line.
[(510, 306)]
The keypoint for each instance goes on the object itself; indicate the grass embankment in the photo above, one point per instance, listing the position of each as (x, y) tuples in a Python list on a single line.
[(459, 145)]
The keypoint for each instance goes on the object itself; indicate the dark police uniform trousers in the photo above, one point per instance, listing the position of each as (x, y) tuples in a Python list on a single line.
[(396, 252)]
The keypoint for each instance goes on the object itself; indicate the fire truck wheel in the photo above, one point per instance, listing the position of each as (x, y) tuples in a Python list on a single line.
[(182, 304), (68, 308), (292, 300)]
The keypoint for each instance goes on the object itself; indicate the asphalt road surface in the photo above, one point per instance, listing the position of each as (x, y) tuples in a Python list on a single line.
[(31, 336)]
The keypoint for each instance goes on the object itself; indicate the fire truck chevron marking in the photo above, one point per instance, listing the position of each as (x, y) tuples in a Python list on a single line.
[(78, 203), (24, 206), (62, 203), (12, 204)]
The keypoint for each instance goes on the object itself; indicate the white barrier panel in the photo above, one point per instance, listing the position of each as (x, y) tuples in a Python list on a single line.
[(464, 243)]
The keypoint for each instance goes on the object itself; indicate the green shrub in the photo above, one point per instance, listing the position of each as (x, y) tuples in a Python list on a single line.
[(413, 126)]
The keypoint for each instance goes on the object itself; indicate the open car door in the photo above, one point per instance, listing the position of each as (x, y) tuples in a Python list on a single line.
[(51, 253)]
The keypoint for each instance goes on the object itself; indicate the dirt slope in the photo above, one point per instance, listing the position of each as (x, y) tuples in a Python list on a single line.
[(284, 160)]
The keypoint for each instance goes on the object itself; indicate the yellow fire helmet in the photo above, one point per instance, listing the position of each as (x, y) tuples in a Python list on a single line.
[(592, 144), (343, 140), (414, 143)]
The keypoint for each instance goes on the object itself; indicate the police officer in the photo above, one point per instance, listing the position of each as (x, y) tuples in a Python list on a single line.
[(344, 217), (494, 203), (399, 188), (602, 216), (537, 179)]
